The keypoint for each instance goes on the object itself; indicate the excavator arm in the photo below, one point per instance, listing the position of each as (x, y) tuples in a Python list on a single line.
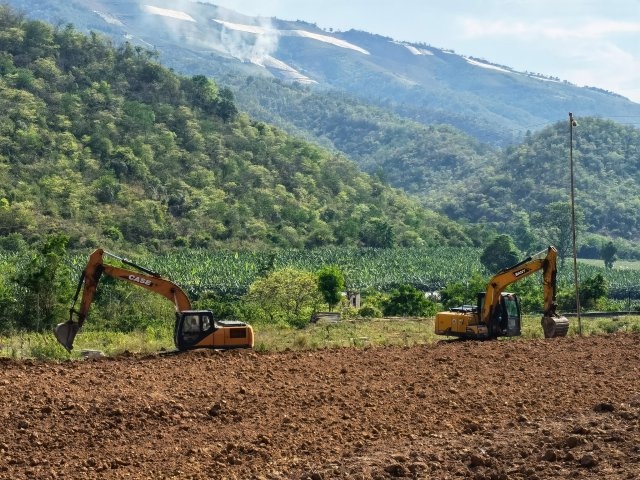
[(553, 324), (88, 284)]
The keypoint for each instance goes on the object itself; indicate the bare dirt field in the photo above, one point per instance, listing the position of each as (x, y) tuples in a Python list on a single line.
[(525, 409)]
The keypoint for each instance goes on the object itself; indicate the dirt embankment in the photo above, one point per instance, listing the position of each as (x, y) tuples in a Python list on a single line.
[(523, 409)]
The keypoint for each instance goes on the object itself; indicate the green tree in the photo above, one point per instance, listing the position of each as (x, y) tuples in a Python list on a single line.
[(408, 301), (287, 295), (461, 293), (608, 254), (107, 188), (146, 219), (500, 253), (592, 290), (14, 242), (8, 301), (331, 285), (554, 225), (15, 218), (203, 93), (45, 285), (377, 233), (225, 106)]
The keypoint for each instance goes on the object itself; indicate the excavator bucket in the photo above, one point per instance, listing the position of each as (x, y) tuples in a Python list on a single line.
[(66, 332), (555, 326)]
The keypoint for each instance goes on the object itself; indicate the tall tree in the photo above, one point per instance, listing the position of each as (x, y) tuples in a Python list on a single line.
[(331, 285), (608, 254), (500, 253), (45, 284), (554, 225)]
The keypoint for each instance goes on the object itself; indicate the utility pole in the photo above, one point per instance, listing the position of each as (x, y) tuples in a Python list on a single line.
[(572, 124)]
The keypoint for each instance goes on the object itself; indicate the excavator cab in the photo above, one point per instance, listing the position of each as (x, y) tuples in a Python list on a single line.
[(506, 321), (198, 329)]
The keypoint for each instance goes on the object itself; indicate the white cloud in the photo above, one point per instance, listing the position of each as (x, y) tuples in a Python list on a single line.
[(619, 70), (597, 53), (474, 28)]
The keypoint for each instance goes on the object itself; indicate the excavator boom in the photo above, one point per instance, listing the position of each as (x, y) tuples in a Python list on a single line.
[(66, 332)]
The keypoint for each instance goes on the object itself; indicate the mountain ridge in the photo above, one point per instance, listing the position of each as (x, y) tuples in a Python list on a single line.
[(374, 108), (108, 147), (416, 80)]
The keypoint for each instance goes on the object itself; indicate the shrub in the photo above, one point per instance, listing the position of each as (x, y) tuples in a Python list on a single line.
[(369, 311), (290, 295), (408, 301)]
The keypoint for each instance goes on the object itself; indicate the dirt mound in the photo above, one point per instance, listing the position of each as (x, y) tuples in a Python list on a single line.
[(567, 407)]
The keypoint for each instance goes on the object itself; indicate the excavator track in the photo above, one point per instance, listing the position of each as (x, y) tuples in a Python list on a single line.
[(556, 326)]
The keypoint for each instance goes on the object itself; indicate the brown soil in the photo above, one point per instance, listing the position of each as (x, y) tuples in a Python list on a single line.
[(562, 408)]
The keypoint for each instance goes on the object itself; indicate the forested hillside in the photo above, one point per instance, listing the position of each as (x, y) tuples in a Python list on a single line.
[(522, 191), (415, 81), (507, 190), (106, 145), (430, 161)]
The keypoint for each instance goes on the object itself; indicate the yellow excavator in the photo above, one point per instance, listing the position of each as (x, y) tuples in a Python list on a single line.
[(497, 313), (193, 328)]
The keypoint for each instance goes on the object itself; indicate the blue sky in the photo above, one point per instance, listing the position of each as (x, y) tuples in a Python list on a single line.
[(587, 42)]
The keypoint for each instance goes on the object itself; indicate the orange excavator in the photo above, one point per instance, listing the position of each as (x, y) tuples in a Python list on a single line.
[(193, 328), (497, 313)]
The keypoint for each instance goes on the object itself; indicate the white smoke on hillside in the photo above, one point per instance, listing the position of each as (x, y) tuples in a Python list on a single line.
[(250, 44), (209, 28)]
